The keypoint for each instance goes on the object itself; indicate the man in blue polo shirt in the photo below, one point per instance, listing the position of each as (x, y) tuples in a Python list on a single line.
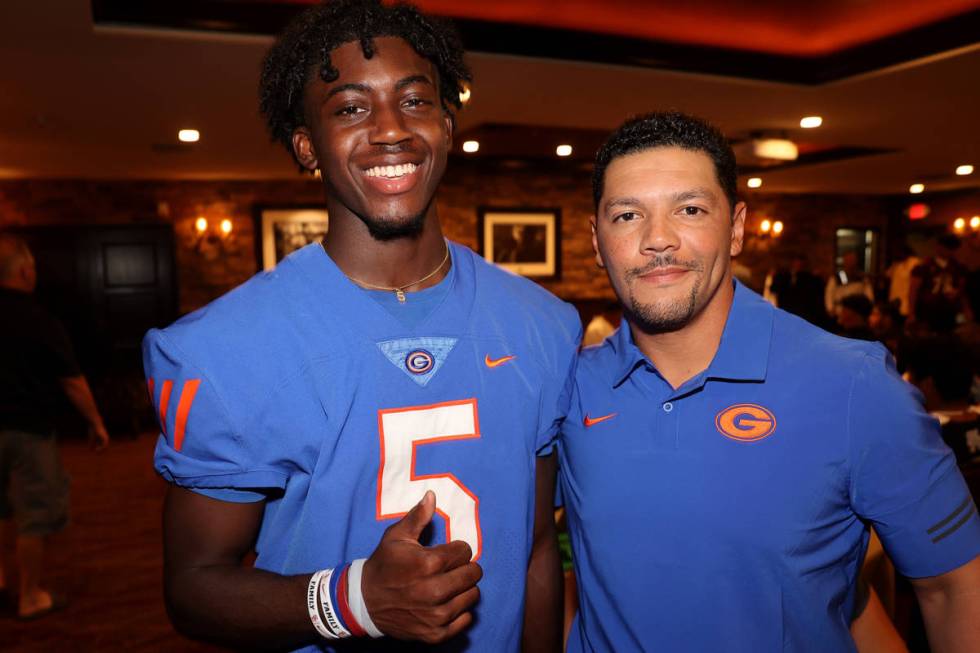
[(722, 459)]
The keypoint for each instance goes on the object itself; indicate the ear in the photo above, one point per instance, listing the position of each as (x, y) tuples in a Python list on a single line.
[(595, 243), (450, 122), (738, 229), (303, 149)]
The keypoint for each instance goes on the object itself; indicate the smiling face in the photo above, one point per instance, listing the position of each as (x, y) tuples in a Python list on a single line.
[(379, 136), (665, 233)]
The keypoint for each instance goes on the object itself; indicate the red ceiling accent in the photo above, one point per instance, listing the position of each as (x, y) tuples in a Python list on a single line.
[(772, 26)]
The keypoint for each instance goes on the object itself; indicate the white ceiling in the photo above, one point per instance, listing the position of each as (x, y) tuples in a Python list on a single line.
[(84, 102)]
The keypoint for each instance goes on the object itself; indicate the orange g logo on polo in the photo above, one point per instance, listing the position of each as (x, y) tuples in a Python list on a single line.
[(746, 422)]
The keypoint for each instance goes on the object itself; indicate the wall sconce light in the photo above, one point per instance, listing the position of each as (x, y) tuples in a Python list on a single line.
[(960, 225), (208, 241), (770, 229)]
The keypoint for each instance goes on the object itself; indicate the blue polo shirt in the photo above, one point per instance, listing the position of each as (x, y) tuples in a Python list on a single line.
[(731, 513)]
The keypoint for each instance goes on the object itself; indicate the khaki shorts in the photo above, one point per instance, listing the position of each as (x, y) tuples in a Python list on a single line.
[(33, 484)]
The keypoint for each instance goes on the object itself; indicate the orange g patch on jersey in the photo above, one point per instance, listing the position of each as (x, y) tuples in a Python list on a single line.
[(746, 422)]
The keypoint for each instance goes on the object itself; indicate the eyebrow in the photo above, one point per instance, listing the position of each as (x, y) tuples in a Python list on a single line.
[(620, 201), (364, 88), (414, 79), (694, 194)]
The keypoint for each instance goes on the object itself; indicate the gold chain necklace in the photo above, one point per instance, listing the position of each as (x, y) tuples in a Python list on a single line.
[(400, 290)]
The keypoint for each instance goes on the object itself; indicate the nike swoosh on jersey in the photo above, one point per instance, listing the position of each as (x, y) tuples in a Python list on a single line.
[(590, 421), (497, 362)]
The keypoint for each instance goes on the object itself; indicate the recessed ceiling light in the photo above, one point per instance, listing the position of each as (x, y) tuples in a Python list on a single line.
[(201, 224), (563, 150), (777, 227), (959, 224), (975, 222), (471, 146), (754, 182), (775, 148), (188, 136), (811, 122), (964, 170), (226, 226), (915, 189)]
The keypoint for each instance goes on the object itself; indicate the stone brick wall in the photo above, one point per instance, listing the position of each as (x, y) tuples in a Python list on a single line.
[(810, 220), (200, 277)]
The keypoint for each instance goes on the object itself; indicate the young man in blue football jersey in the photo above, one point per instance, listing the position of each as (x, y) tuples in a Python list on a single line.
[(324, 412), (722, 459)]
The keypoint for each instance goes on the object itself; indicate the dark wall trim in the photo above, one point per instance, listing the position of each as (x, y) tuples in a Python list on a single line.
[(570, 45)]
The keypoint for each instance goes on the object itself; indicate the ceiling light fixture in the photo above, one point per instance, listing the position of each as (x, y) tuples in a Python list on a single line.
[(775, 148), (471, 146), (975, 222), (965, 169), (777, 228), (563, 150), (959, 224), (811, 122), (915, 189), (188, 136), (754, 182)]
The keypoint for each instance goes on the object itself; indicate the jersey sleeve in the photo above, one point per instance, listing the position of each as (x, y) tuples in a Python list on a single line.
[(557, 395), (201, 445), (904, 478)]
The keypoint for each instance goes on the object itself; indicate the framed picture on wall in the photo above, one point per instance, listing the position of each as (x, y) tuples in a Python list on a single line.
[(281, 230), (862, 242), (526, 241)]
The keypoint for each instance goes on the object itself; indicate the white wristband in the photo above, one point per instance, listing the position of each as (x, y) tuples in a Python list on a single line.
[(329, 610), (356, 600), (313, 604)]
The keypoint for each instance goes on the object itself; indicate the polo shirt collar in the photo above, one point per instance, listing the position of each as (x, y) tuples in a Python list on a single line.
[(743, 353)]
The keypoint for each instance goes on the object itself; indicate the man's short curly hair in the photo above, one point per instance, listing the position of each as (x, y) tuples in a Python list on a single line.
[(668, 129), (303, 50)]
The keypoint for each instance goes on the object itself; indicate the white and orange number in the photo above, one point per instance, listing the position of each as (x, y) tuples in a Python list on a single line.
[(400, 488)]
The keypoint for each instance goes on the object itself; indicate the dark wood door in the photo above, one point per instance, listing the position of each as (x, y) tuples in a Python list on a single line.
[(108, 285)]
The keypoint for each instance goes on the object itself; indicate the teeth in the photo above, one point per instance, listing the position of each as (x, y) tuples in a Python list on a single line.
[(391, 172)]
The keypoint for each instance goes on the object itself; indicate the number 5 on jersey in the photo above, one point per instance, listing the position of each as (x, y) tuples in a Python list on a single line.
[(400, 488)]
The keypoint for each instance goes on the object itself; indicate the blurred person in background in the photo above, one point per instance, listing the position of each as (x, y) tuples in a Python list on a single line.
[(37, 367), (943, 368), (937, 292), (887, 324), (800, 292), (854, 316), (899, 276), (849, 280)]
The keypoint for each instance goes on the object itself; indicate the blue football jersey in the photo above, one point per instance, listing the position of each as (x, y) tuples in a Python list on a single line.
[(300, 386)]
